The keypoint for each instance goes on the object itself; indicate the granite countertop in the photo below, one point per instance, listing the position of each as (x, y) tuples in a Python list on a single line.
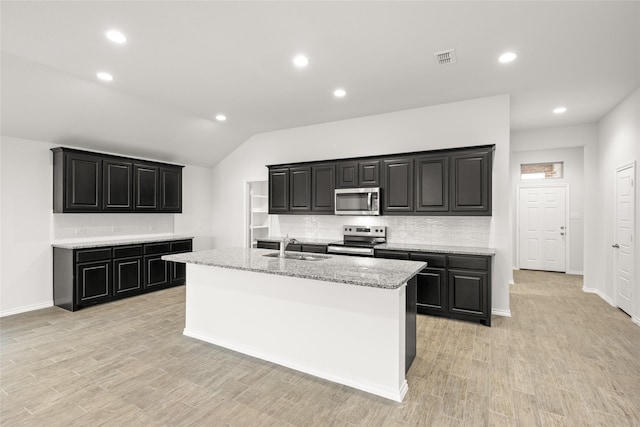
[(87, 244), (362, 271), (301, 240), (443, 249)]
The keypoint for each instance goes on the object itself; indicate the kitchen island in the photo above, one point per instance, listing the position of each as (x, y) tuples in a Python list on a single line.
[(350, 320)]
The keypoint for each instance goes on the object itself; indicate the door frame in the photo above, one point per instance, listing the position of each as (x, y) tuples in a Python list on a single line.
[(567, 216), (615, 237)]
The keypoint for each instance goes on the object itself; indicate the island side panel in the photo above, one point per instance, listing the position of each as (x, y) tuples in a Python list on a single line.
[(352, 335)]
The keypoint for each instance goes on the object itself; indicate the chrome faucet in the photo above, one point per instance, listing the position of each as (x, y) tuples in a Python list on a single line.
[(283, 244)]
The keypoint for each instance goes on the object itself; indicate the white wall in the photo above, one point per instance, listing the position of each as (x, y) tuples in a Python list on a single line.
[(474, 122), (618, 144), (28, 226), (573, 175)]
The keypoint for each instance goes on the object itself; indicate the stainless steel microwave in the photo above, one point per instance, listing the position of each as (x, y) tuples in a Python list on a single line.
[(357, 201)]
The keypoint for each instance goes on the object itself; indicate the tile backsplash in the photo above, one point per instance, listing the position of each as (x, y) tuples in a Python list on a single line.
[(461, 231), (86, 226)]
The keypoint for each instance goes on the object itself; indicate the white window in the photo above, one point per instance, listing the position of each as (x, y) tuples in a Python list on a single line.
[(541, 170)]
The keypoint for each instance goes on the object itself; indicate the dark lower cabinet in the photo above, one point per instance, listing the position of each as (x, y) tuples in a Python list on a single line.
[(94, 282), (452, 285), (467, 292), (127, 276), (411, 327), (432, 291), (156, 271), (84, 277), (313, 248)]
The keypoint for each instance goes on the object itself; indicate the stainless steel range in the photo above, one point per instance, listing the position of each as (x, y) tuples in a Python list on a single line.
[(359, 240)]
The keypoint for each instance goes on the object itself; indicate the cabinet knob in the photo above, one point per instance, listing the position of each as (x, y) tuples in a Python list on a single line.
[(617, 246)]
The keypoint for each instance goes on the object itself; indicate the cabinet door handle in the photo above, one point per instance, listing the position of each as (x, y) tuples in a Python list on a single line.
[(617, 246)]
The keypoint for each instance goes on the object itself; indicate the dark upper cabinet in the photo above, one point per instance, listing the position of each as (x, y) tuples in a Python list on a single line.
[(82, 182), (117, 185), (358, 174), (369, 174), (278, 190), (471, 182), (170, 189), (323, 182), (300, 190), (347, 174), (145, 189), (432, 183), (398, 185), (442, 182), (89, 182)]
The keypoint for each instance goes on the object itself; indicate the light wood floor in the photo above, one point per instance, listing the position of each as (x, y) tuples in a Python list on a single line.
[(564, 358)]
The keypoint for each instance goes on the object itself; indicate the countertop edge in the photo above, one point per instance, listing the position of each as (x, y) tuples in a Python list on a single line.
[(172, 258), (105, 243)]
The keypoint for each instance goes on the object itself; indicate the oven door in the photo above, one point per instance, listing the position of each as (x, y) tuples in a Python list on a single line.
[(357, 201)]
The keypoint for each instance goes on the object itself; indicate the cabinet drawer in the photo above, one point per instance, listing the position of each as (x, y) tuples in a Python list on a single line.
[(181, 246), (383, 253), (469, 262), (156, 248), (318, 249), (268, 245), (432, 260), (127, 251), (88, 255)]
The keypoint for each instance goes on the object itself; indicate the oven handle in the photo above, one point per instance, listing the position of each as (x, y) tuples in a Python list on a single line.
[(349, 250)]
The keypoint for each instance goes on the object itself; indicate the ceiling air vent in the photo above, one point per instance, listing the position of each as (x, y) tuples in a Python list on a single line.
[(446, 57)]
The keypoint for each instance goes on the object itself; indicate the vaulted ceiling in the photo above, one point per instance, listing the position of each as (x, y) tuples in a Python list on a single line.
[(186, 62)]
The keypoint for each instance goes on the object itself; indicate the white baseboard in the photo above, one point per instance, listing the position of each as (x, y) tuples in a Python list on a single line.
[(635, 320), (500, 312), (26, 308), (600, 294), (396, 395), (576, 272)]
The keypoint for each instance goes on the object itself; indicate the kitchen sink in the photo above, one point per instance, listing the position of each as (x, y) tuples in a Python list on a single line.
[(298, 256)]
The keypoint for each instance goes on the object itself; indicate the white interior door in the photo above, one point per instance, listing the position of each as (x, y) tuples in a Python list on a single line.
[(624, 228), (543, 232)]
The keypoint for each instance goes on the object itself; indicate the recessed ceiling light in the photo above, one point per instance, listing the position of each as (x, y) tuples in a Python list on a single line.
[(507, 57), (221, 117), (339, 93), (104, 76), (301, 61), (559, 110), (116, 36)]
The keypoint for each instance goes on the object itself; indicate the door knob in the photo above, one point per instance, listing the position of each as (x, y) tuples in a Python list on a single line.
[(615, 246)]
